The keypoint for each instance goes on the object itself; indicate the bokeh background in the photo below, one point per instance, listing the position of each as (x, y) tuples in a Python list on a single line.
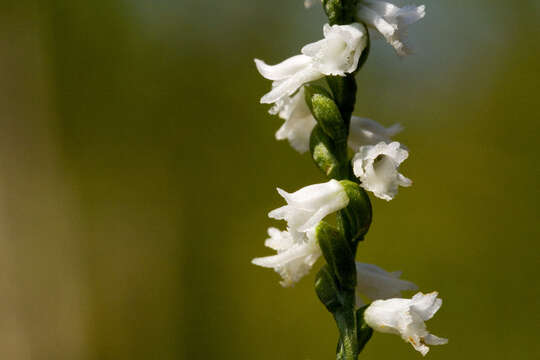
[(137, 168)]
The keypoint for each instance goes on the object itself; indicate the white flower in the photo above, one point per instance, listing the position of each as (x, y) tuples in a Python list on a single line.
[(299, 122), (377, 168), (391, 21), (309, 205), (296, 254), (364, 131), (336, 54), (406, 318), (377, 283)]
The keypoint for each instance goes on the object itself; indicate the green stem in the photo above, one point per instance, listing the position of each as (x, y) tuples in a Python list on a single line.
[(346, 321), (330, 153)]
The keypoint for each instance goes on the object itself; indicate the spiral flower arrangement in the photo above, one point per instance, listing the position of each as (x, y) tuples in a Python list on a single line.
[(358, 156)]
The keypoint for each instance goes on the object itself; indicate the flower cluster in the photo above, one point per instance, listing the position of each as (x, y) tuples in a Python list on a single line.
[(374, 166)]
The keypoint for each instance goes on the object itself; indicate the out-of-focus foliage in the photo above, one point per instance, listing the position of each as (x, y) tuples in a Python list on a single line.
[(137, 169)]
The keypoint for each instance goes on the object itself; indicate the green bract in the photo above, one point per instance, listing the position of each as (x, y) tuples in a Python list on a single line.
[(326, 112), (355, 219), (338, 254), (323, 152)]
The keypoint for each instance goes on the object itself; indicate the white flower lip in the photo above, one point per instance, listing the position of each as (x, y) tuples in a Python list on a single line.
[(390, 20), (406, 317), (377, 168), (299, 122), (337, 54), (377, 283), (309, 205), (296, 254)]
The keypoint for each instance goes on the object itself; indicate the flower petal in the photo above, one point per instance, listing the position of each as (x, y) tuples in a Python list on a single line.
[(284, 69), (288, 86), (426, 305), (374, 19)]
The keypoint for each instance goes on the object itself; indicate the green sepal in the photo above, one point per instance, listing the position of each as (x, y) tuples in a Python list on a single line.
[(363, 331), (344, 91), (337, 253), (323, 153), (346, 322), (339, 12), (326, 112), (327, 290), (340, 350), (355, 219)]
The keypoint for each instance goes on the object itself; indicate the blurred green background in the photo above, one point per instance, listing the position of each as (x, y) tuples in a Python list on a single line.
[(137, 168)]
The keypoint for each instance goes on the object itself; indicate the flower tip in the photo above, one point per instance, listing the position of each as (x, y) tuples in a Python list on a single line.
[(275, 214), (395, 129), (257, 261), (267, 99), (421, 10), (259, 63), (283, 193)]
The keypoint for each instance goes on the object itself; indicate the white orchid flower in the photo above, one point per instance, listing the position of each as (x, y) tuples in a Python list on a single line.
[(363, 131), (390, 20), (337, 54), (377, 168), (296, 254), (406, 317), (377, 283), (308, 206)]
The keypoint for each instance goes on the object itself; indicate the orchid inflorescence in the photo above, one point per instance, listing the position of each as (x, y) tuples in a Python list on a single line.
[(359, 156)]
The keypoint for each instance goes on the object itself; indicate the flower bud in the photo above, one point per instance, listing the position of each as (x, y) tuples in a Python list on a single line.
[(355, 219), (323, 153), (326, 289), (326, 112)]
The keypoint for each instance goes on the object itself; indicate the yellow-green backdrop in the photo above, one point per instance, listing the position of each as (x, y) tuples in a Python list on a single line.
[(137, 169)]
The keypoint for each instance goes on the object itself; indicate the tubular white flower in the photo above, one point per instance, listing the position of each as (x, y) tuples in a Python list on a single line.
[(309, 205), (296, 254), (405, 317), (377, 283), (389, 20), (377, 168), (299, 122), (363, 131), (337, 54)]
